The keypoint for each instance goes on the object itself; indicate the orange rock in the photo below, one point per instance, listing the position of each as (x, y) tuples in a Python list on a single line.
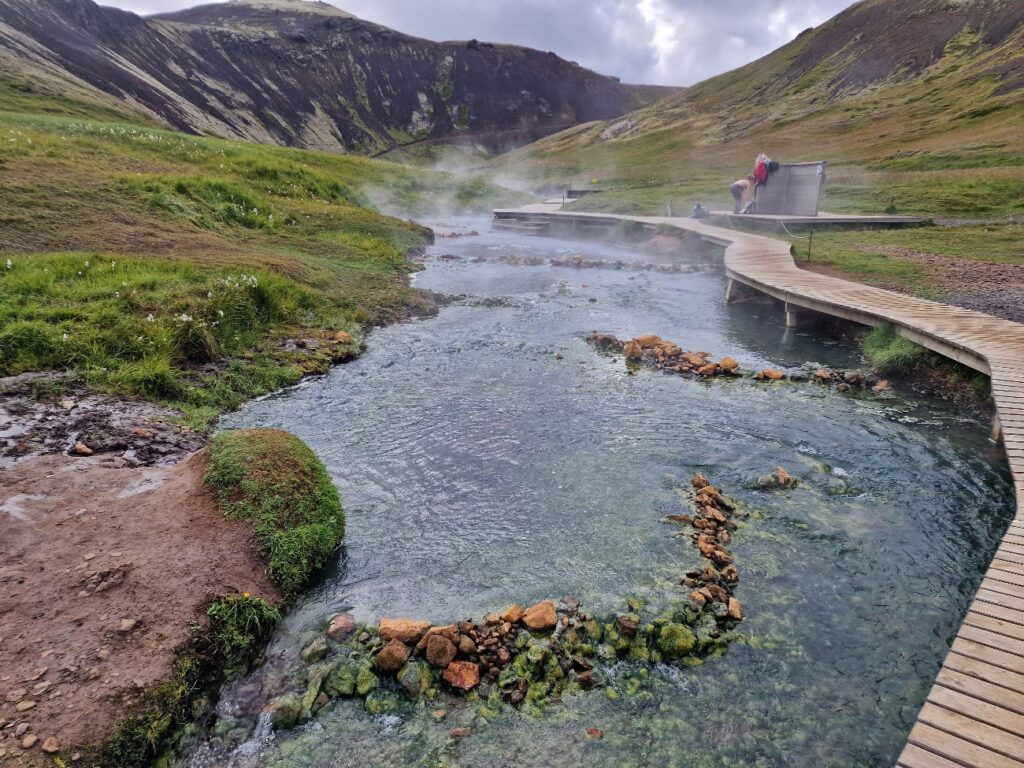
[(770, 374), (541, 617), (81, 449), (692, 358), (730, 574), (823, 375), (699, 481), (649, 341), (668, 349), (697, 599), (708, 370), (343, 338), (512, 614), (882, 386), (392, 656), (341, 626), (729, 365), (464, 675), (440, 651), (735, 609), (449, 632), (403, 630), (633, 351), (782, 477)]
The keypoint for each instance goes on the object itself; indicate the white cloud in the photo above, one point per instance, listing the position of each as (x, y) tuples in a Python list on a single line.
[(668, 42)]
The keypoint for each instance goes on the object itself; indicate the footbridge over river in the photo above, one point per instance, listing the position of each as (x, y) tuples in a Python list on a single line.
[(974, 714)]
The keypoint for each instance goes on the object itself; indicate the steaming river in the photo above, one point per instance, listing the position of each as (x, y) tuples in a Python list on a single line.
[(489, 455)]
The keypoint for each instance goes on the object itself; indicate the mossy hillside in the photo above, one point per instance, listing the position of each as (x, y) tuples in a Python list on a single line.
[(275, 482), (940, 137)]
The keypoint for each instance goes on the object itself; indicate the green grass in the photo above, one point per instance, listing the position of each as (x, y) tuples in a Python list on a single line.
[(168, 267), (239, 625), (891, 354), (275, 482)]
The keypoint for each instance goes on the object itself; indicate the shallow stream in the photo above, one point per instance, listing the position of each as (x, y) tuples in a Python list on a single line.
[(489, 455)]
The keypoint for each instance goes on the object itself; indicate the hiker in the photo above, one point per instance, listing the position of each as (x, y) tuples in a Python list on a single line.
[(743, 193)]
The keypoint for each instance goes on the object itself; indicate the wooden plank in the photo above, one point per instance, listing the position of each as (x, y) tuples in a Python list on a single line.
[(952, 747), (1003, 587), (988, 596), (967, 647), (996, 611), (996, 641), (966, 727), (914, 756), (1010, 629), (977, 709), (988, 692), (985, 671)]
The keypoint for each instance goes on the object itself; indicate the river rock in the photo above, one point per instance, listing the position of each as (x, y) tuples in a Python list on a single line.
[(414, 678), (627, 624), (735, 609), (513, 613), (284, 710), (392, 656), (343, 338), (729, 365), (541, 617), (463, 675), (29, 741), (51, 745), (81, 449), (315, 651), (676, 640), (648, 341), (466, 646), (770, 374), (882, 386), (440, 651), (451, 632), (633, 351), (403, 630), (341, 626)]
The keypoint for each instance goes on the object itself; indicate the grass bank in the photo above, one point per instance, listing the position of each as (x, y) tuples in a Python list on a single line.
[(178, 268), (273, 481)]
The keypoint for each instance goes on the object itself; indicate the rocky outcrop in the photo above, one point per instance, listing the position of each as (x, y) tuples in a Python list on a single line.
[(303, 74)]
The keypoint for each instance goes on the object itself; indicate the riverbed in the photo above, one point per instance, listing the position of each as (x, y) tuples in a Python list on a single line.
[(490, 455)]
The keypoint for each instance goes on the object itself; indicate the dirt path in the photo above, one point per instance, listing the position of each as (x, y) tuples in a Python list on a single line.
[(991, 287), (103, 569)]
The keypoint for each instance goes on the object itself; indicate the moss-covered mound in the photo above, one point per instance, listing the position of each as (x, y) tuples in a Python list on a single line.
[(273, 480)]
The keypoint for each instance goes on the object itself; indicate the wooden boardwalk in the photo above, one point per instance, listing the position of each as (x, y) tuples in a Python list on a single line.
[(974, 714)]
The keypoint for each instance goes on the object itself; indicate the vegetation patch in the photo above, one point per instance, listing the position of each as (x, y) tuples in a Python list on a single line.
[(275, 482)]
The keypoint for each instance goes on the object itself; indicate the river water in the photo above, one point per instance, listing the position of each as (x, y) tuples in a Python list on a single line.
[(490, 455)]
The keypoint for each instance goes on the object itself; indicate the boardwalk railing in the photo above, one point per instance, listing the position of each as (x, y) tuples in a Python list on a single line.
[(974, 714)]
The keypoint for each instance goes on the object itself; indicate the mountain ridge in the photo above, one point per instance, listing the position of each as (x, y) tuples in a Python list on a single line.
[(300, 74)]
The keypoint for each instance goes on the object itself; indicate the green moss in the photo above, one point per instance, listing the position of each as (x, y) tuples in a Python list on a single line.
[(276, 483), (239, 624), (890, 353)]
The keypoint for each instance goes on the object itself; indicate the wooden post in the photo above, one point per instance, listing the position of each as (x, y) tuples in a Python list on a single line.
[(997, 428), (792, 317)]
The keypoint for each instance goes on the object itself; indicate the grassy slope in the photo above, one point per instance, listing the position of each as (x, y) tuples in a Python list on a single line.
[(170, 267), (946, 143)]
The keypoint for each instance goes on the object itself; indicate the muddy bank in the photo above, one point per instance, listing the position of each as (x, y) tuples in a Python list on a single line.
[(105, 574)]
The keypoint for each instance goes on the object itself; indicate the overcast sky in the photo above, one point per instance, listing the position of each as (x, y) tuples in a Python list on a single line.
[(668, 42)]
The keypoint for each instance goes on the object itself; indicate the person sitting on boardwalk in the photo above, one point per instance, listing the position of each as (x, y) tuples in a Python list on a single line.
[(743, 193)]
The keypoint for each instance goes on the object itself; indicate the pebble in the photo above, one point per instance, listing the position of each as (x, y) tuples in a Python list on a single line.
[(16, 695), (81, 449), (29, 741), (89, 556), (51, 745), (25, 706), (459, 733), (20, 730), (127, 625)]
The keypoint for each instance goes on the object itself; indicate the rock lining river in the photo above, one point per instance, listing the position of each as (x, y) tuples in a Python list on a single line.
[(489, 455)]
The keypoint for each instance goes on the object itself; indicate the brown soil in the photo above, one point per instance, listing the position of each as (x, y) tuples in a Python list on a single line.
[(103, 573), (997, 289)]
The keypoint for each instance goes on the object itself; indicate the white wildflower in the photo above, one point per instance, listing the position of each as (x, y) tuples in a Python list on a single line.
[(150, 318), (10, 264), (87, 265), (220, 313), (185, 318)]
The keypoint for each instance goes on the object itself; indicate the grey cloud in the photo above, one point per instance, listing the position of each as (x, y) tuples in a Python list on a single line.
[(667, 42)]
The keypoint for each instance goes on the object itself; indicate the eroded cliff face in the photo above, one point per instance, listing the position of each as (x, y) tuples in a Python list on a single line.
[(304, 74)]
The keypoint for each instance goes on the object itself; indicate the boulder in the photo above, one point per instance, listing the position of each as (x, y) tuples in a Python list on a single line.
[(391, 657), (414, 678), (735, 609), (541, 617), (648, 341), (512, 614), (463, 675), (676, 640), (729, 365), (284, 711), (451, 632), (403, 630), (440, 651), (341, 626)]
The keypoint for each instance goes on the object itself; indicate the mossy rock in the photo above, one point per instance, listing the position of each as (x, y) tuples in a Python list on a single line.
[(284, 711), (366, 681), (676, 640), (415, 678), (380, 702)]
